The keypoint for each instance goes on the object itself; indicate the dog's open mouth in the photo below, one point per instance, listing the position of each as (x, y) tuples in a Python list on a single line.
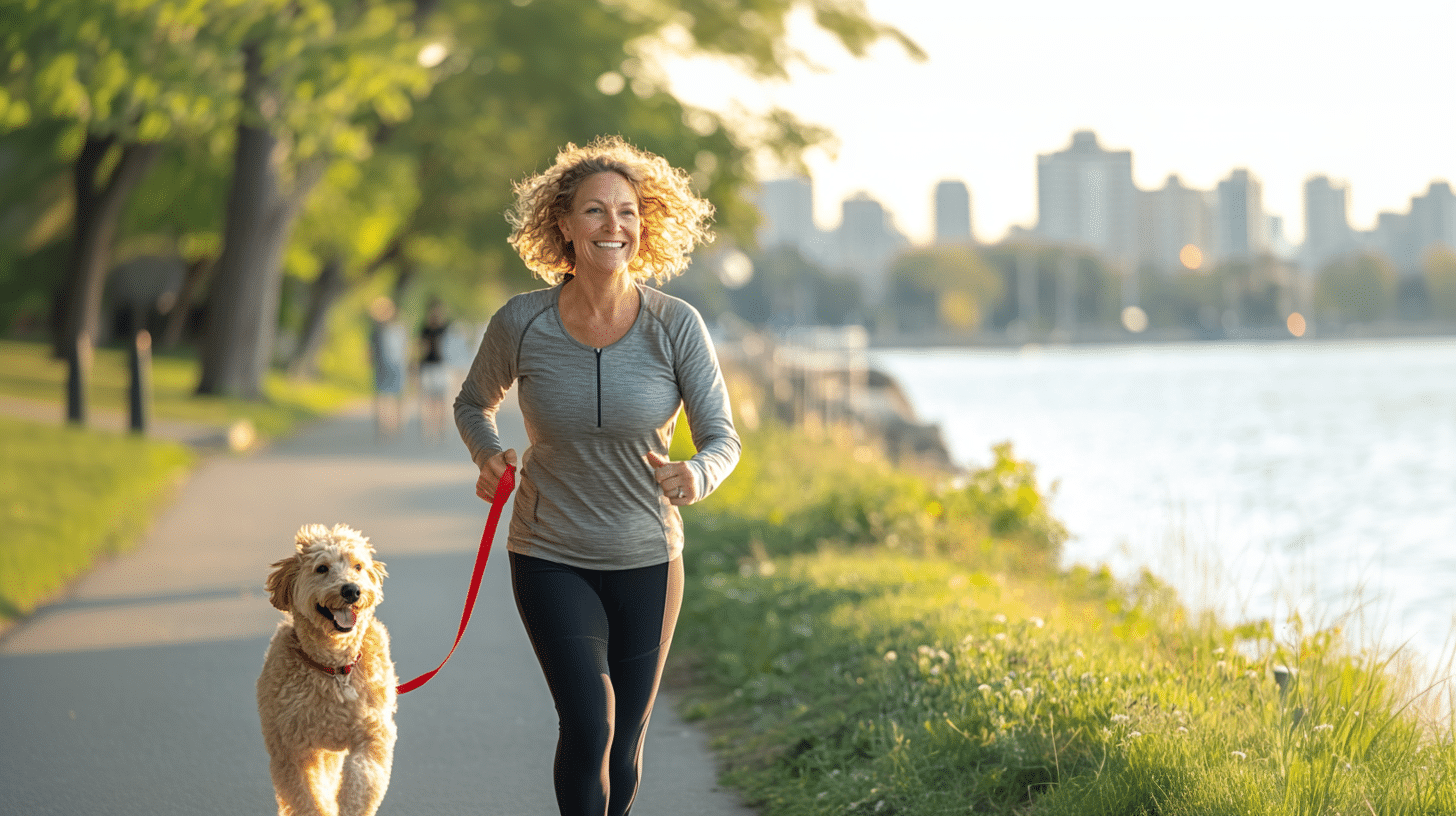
[(343, 619)]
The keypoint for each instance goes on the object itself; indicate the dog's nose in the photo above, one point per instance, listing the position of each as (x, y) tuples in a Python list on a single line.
[(350, 592)]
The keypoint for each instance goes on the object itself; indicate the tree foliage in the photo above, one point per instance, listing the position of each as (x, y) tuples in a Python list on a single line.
[(1439, 268), (1358, 288), (947, 287)]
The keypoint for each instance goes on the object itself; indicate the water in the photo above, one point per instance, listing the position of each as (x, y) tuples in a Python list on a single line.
[(1257, 479)]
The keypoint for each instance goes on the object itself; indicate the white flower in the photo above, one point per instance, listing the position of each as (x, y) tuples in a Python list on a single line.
[(891, 657), (1038, 622), (1120, 718), (1238, 755), (1324, 727), (999, 618), (983, 688), (1134, 734)]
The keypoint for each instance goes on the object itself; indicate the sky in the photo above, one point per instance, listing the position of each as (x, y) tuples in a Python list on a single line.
[(1362, 92)]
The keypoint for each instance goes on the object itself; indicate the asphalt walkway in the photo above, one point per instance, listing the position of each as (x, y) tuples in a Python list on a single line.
[(134, 694)]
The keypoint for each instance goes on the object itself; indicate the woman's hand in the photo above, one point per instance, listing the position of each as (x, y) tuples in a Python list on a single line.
[(675, 479), (490, 474)]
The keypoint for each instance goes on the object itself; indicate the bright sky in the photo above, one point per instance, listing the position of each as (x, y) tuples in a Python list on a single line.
[(1361, 91)]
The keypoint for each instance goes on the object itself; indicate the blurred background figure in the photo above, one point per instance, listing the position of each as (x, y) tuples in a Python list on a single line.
[(388, 350), (434, 370)]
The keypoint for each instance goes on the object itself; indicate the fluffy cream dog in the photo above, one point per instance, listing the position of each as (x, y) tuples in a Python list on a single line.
[(326, 696)]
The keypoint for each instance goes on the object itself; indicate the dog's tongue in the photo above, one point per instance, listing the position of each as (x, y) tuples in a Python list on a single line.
[(344, 618)]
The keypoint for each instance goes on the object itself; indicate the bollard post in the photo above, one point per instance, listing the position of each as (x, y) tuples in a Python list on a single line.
[(78, 371), (140, 389)]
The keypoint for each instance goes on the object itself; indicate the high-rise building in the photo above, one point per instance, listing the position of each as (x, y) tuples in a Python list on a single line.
[(952, 212), (1170, 220), (867, 242), (1086, 197), (786, 208), (1241, 231), (1433, 219), (1327, 232)]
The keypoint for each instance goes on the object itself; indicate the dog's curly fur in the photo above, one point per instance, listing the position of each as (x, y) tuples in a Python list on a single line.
[(330, 737)]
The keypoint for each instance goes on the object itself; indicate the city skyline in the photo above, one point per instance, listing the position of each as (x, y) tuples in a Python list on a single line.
[(1288, 90)]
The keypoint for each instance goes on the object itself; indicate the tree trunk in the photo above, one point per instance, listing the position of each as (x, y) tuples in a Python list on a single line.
[(181, 310), (99, 204), (243, 306), (325, 292)]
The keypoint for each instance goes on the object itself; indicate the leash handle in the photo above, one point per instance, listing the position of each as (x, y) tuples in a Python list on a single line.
[(497, 503)]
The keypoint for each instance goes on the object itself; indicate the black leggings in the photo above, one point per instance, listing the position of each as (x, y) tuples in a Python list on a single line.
[(602, 637)]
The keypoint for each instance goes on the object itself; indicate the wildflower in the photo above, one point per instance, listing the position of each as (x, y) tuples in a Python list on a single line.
[(1038, 622), (1182, 729), (1218, 651), (999, 618), (891, 657), (1000, 635), (983, 688), (1120, 718), (1134, 734), (1324, 727), (1238, 755)]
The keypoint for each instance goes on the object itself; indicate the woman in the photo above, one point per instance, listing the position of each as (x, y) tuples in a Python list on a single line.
[(602, 363)]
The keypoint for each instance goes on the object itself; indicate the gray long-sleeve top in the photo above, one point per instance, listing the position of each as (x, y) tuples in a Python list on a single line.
[(586, 495)]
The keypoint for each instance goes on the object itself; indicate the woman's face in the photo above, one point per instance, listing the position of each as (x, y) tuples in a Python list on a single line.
[(603, 225)]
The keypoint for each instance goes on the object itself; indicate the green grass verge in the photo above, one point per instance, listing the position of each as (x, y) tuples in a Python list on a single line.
[(70, 495), (842, 675)]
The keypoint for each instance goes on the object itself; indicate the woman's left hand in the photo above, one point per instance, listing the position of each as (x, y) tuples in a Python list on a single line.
[(674, 479)]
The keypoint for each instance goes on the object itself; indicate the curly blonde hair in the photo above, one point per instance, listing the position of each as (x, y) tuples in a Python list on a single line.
[(674, 219)]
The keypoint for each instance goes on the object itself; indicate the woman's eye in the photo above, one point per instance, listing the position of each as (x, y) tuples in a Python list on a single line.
[(321, 568)]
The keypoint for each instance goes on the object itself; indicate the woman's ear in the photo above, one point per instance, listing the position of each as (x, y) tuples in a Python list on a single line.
[(280, 583)]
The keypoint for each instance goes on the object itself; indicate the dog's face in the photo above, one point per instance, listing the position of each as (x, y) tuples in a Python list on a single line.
[(329, 581)]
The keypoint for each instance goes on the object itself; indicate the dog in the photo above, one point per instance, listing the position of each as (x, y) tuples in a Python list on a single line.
[(327, 692)]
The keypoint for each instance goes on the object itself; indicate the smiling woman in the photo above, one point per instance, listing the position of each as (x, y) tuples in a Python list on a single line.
[(673, 219)]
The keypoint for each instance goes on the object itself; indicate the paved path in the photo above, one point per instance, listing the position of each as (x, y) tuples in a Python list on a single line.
[(134, 695)]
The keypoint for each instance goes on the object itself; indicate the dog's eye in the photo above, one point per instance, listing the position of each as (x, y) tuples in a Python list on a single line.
[(321, 568), (358, 567)]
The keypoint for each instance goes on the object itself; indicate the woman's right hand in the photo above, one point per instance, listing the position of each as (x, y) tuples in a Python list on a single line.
[(490, 474)]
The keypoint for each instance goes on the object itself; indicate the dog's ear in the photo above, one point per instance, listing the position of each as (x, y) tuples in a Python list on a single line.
[(280, 582), (378, 572)]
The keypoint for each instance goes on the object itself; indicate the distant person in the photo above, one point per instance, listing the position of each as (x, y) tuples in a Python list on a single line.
[(602, 362), (388, 356), (434, 370)]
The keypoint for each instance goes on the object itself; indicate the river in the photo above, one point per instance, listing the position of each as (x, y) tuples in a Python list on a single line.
[(1259, 479)]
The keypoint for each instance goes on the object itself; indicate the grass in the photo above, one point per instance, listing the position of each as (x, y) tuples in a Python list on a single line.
[(954, 669), (27, 371), (69, 496)]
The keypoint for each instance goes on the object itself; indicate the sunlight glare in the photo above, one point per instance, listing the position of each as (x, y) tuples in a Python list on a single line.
[(1190, 256)]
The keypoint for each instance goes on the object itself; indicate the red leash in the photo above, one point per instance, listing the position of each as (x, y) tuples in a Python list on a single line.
[(497, 503)]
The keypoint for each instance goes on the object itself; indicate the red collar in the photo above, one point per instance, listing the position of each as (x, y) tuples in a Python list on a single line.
[(344, 670)]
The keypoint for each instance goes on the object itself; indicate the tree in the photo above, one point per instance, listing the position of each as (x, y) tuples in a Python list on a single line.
[(1439, 267), (1358, 288), (319, 77), (120, 76), (946, 287)]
